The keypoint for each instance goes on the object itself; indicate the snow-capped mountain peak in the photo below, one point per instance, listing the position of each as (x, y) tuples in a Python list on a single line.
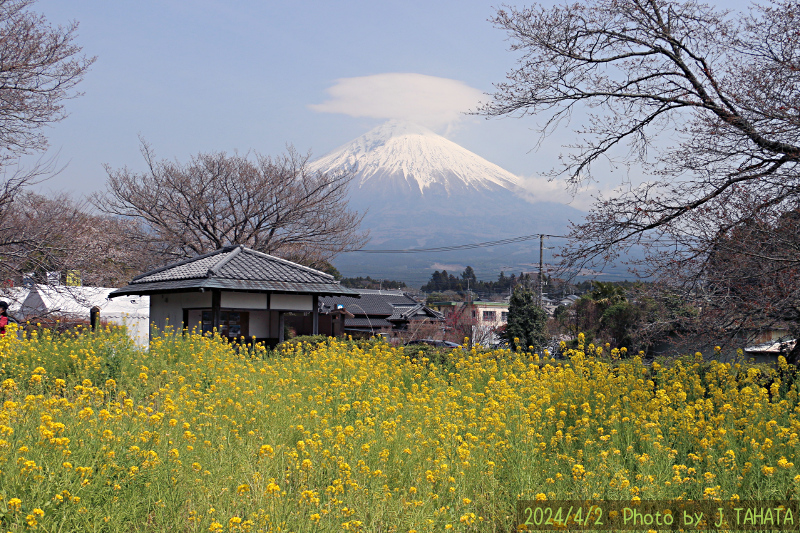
[(402, 156)]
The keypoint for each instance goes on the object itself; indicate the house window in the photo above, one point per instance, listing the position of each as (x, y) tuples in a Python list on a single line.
[(504, 316), (232, 324), (489, 316)]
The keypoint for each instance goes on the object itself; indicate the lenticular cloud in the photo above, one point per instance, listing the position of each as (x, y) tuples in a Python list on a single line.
[(428, 100)]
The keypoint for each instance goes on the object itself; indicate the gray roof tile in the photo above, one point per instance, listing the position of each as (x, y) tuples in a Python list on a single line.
[(370, 303), (409, 313), (373, 323), (235, 268), (381, 307)]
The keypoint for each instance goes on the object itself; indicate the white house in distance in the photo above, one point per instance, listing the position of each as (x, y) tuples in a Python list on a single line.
[(237, 291), (484, 317), (490, 314)]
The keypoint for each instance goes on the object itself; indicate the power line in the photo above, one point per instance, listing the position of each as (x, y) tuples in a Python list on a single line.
[(471, 246), (487, 244), (512, 240)]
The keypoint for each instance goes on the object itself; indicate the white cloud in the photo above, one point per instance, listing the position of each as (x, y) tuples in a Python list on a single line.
[(452, 268), (542, 189), (427, 100)]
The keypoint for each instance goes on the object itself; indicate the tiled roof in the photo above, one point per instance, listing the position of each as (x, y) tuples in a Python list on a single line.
[(372, 303), (379, 309), (419, 310), (236, 268), (368, 323)]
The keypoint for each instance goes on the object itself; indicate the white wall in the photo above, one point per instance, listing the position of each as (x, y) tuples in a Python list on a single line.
[(291, 302), (243, 300), (138, 326), (168, 308), (498, 314), (259, 324)]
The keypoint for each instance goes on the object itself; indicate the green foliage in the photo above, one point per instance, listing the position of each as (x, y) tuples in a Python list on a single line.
[(469, 275), (620, 321), (330, 269), (527, 321), (369, 283), (442, 281), (561, 312), (607, 293), (634, 315), (449, 296)]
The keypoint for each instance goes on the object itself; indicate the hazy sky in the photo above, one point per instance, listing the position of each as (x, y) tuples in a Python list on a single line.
[(248, 75)]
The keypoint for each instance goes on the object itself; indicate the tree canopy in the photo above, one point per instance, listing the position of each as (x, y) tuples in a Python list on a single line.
[(271, 204), (443, 281), (705, 102), (527, 322), (40, 66)]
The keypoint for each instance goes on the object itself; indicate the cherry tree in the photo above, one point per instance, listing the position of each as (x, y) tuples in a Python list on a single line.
[(706, 104)]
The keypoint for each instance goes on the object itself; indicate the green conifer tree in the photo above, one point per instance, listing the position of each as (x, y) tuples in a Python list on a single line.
[(526, 321)]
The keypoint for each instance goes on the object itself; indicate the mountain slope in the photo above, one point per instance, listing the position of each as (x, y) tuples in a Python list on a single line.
[(411, 159), (420, 190)]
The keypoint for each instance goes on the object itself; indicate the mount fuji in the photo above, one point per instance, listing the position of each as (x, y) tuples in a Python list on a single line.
[(408, 159), (421, 190)]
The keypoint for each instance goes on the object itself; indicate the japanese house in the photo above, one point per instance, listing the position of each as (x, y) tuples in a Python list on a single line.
[(380, 311), (238, 291)]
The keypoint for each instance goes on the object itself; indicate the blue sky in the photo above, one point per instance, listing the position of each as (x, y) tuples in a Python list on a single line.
[(208, 75)]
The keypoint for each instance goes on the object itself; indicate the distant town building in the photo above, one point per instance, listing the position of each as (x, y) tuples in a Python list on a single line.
[(492, 314), (379, 311)]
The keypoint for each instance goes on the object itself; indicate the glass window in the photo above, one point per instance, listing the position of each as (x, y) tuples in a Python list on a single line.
[(232, 324)]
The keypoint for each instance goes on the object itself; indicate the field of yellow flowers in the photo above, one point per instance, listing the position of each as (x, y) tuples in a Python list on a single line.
[(195, 434)]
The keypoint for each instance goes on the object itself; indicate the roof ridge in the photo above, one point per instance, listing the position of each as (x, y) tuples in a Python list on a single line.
[(289, 263), (411, 310), (173, 265), (214, 270)]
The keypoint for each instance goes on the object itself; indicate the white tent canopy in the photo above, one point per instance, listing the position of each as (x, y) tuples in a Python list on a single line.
[(14, 297), (75, 303)]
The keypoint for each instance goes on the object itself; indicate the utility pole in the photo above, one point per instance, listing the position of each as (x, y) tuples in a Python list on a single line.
[(470, 310), (541, 274)]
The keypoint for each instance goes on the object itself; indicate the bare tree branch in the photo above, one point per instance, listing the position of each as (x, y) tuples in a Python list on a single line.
[(274, 205), (725, 90), (39, 68)]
